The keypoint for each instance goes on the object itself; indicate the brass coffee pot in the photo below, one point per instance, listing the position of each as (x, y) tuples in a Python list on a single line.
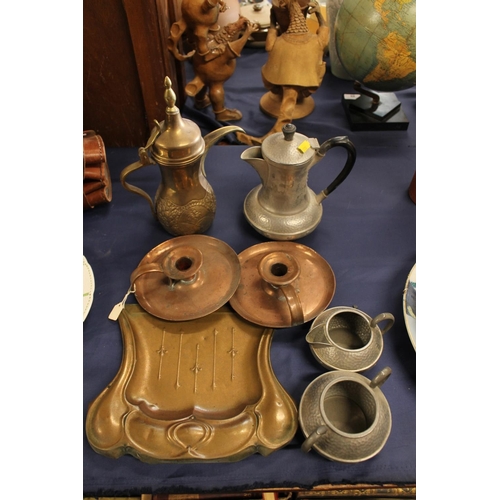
[(185, 202), (283, 207)]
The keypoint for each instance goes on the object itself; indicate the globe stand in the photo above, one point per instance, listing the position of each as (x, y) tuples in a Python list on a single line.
[(374, 111)]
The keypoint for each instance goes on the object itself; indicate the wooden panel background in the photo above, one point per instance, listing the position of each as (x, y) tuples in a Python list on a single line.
[(125, 61)]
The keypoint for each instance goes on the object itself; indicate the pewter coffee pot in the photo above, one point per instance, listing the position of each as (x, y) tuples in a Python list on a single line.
[(185, 202), (283, 207)]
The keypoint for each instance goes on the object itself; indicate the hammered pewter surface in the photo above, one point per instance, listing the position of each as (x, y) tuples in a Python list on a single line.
[(279, 226), (277, 149), (350, 406), (283, 207), (353, 345), (355, 447)]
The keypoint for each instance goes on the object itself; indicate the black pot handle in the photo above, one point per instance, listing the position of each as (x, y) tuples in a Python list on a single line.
[(343, 142)]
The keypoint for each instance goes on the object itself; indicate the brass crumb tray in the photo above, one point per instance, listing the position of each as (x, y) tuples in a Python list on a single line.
[(192, 391)]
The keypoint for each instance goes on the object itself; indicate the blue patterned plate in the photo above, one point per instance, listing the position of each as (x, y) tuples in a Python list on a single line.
[(410, 305)]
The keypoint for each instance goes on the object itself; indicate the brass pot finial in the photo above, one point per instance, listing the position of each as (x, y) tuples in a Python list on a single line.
[(170, 96)]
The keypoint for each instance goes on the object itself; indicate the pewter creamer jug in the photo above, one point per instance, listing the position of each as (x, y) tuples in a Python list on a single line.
[(185, 202), (283, 207)]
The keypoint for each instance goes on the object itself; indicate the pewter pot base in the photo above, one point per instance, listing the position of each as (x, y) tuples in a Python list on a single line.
[(282, 227)]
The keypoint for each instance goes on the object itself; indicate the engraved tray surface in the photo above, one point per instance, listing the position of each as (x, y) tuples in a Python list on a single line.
[(198, 390)]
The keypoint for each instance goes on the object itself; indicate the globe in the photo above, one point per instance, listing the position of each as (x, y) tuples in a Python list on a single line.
[(376, 42)]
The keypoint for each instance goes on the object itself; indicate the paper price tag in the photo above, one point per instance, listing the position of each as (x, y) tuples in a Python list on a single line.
[(351, 97), (118, 308)]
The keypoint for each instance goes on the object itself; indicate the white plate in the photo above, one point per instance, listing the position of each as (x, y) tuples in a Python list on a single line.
[(88, 287), (410, 305)]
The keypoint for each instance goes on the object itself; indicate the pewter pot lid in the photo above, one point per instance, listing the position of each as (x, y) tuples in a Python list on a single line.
[(180, 140), (289, 147)]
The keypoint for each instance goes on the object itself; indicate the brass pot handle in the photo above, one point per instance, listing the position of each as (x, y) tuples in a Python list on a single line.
[(144, 161)]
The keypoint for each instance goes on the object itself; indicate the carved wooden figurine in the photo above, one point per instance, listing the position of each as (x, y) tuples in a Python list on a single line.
[(211, 75), (199, 18), (213, 68), (295, 66)]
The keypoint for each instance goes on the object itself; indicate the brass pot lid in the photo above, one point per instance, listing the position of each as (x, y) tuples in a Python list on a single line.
[(179, 141), (282, 284), (186, 277)]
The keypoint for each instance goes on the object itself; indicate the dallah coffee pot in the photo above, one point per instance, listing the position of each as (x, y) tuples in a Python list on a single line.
[(185, 202), (283, 207)]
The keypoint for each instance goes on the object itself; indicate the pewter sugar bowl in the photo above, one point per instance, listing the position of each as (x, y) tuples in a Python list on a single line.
[(345, 417)]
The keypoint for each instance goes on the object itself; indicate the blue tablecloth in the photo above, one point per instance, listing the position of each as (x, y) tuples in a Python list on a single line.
[(367, 235)]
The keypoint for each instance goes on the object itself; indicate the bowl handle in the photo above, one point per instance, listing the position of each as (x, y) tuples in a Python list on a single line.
[(381, 317), (308, 443), (381, 377)]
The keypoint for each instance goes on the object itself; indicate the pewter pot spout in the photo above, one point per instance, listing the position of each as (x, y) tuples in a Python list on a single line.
[(253, 156)]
